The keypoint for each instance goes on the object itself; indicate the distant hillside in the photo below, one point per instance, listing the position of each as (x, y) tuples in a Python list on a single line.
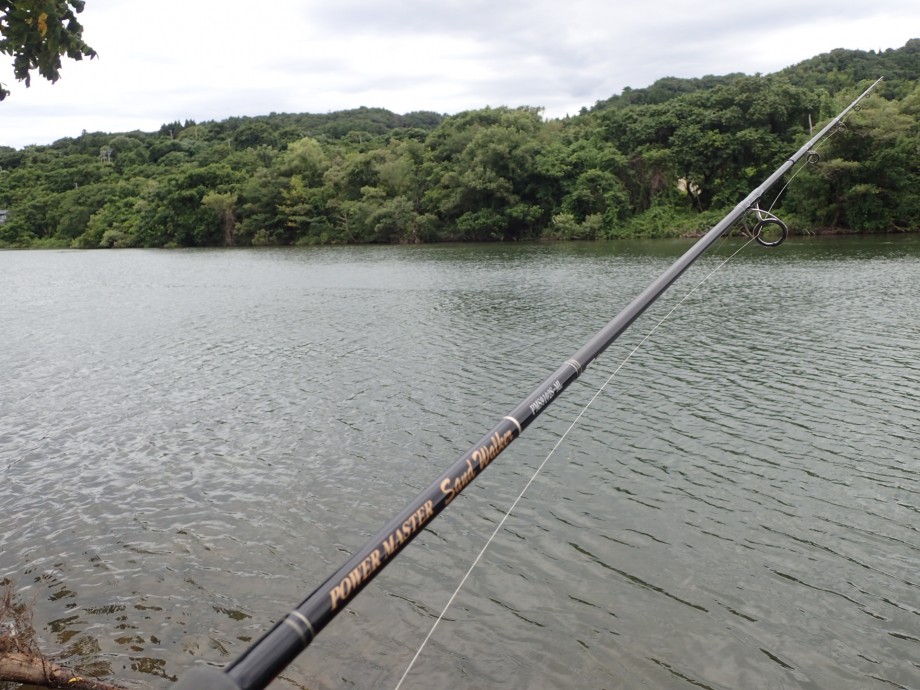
[(831, 71), (280, 129), (663, 90), (836, 70), (667, 159)]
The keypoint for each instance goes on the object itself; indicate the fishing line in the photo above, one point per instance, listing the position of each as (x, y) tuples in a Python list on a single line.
[(549, 455), (269, 655), (766, 217)]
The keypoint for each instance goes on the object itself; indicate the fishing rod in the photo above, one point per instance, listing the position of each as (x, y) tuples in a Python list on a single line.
[(277, 648)]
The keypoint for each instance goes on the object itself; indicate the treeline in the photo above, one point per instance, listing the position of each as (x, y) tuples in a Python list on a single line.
[(665, 160)]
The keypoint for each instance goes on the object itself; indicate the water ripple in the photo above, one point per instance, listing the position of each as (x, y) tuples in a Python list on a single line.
[(191, 441)]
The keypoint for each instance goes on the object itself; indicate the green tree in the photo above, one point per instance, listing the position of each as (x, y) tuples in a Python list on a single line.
[(36, 33), (113, 225), (303, 207), (868, 175), (596, 192), (297, 197), (486, 174), (127, 152), (224, 207), (253, 134)]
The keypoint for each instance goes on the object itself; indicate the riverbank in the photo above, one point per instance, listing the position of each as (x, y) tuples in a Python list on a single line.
[(640, 230)]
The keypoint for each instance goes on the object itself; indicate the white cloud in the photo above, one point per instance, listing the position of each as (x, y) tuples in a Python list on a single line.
[(210, 60)]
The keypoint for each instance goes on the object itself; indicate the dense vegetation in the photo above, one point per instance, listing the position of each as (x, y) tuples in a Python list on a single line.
[(667, 159)]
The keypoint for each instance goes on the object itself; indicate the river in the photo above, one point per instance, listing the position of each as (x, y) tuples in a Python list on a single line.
[(192, 440)]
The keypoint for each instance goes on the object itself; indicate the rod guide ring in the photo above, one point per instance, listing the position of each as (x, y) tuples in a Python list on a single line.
[(765, 219)]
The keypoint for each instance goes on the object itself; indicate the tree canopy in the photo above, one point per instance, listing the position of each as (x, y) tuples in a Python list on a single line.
[(37, 33), (664, 161)]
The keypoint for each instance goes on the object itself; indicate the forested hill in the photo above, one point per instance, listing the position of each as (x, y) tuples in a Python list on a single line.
[(832, 72), (663, 160)]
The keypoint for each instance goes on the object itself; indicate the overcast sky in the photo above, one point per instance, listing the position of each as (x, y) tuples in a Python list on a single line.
[(211, 59)]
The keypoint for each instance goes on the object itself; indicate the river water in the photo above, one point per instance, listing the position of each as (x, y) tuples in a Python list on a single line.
[(191, 441)]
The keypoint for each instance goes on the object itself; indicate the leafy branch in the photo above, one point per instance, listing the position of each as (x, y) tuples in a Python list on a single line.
[(37, 33)]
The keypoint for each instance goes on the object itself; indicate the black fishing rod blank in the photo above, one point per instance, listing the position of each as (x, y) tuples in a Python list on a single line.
[(268, 656)]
